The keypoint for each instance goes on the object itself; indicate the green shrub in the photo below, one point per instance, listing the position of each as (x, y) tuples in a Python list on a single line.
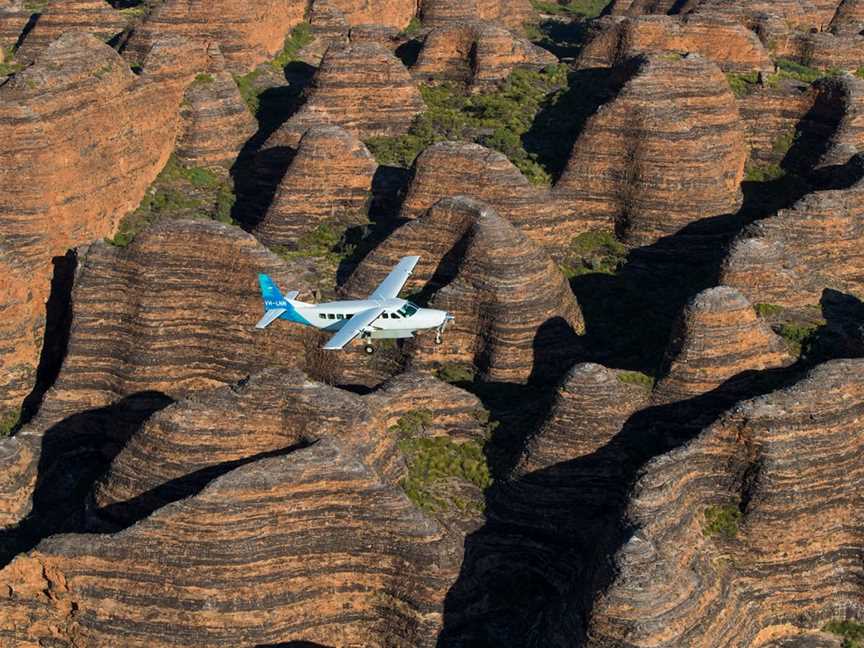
[(767, 310), (35, 6), (251, 94), (456, 373), (594, 251), (799, 336), (203, 78), (636, 378), (793, 70), (860, 73), (134, 12), (299, 37), (412, 29), (851, 631), (412, 423), (722, 521), (742, 84), (9, 420), (575, 8), (763, 172)]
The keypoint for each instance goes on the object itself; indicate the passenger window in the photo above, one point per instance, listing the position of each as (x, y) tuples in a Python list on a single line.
[(322, 316), (385, 315), (395, 316), (331, 316), (340, 316)]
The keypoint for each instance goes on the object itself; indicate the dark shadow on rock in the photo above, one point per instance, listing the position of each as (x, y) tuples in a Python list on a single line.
[(74, 454), (120, 515), (58, 320), (842, 335), (531, 574), (31, 23), (408, 51)]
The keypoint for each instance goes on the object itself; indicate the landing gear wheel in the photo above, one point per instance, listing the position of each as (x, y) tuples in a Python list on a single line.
[(438, 338), (369, 349)]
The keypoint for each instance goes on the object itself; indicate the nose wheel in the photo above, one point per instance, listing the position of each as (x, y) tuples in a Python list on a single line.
[(369, 349), (439, 332)]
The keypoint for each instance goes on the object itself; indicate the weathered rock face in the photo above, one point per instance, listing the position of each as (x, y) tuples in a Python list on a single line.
[(591, 405), (451, 168), (362, 88), (833, 129), (791, 257), (668, 150), (797, 14), (309, 546), (477, 54), (171, 315), (247, 33), (95, 17), (14, 16), (789, 462), (84, 139), (329, 180), (515, 314), (724, 41), (388, 13), (849, 18), (718, 338), (215, 123), (772, 114), (511, 13)]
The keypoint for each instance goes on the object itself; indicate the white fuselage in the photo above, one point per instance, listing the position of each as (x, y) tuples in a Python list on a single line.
[(399, 320)]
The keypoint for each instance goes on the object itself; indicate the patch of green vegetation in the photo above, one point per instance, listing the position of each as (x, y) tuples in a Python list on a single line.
[(742, 84), (434, 463), (636, 378), (203, 78), (722, 521), (594, 251), (134, 12), (328, 245), (9, 64), (412, 29), (179, 192), (9, 420), (498, 119), (35, 6), (455, 372), (411, 424), (792, 70), (851, 631), (767, 310), (799, 336), (860, 73), (763, 172), (574, 8)]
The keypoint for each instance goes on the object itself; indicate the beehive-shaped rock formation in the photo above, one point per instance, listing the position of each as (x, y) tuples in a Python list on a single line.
[(511, 13), (591, 405), (791, 257), (310, 546), (170, 315), (387, 13), (84, 139), (95, 17), (724, 41), (247, 33), (515, 314), (475, 53), (717, 339), (329, 180), (214, 120), (785, 469), (796, 14), (450, 168), (667, 151), (362, 88)]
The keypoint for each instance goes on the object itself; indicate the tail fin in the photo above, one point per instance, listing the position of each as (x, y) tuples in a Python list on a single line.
[(275, 305)]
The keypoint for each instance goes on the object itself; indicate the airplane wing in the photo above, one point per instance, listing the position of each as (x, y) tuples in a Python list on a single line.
[(390, 287), (353, 327)]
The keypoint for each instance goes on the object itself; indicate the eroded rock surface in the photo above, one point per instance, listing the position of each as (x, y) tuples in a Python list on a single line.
[(512, 13)]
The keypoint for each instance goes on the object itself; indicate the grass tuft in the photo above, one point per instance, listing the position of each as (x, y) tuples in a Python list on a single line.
[(851, 631), (574, 8), (722, 521), (767, 310), (636, 378), (594, 251), (9, 420), (456, 373)]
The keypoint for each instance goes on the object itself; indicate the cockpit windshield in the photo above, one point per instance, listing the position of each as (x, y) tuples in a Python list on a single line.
[(408, 309)]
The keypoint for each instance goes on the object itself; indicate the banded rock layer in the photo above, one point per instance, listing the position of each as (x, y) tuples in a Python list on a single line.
[(790, 462), (329, 180), (247, 33), (515, 315), (84, 139), (511, 13), (667, 151), (14, 16), (477, 54), (725, 42), (717, 339), (387, 13), (361, 87), (310, 546)]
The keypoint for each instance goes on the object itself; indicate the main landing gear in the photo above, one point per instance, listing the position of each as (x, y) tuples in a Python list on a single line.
[(369, 349)]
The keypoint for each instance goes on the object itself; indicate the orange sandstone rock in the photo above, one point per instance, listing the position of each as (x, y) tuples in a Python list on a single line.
[(512, 13)]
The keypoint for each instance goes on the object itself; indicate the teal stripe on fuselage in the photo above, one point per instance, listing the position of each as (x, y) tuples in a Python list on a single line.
[(292, 315)]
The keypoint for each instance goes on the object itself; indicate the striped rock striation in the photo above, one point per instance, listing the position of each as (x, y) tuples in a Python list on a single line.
[(513, 14), (477, 54), (450, 168), (717, 344), (14, 17), (362, 88), (789, 464), (790, 258), (795, 14), (771, 115), (386, 13), (516, 317), (311, 546), (328, 181), (95, 17), (247, 33), (168, 316), (724, 41), (84, 137), (214, 121), (668, 150), (849, 18)]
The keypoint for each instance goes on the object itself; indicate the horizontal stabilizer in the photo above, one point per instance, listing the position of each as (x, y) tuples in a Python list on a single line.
[(269, 317), (292, 295)]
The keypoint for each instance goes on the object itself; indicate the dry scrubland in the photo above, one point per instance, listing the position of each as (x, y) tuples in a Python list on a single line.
[(645, 427)]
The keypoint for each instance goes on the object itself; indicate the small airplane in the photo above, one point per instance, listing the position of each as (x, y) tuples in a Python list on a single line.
[(382, 315)]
